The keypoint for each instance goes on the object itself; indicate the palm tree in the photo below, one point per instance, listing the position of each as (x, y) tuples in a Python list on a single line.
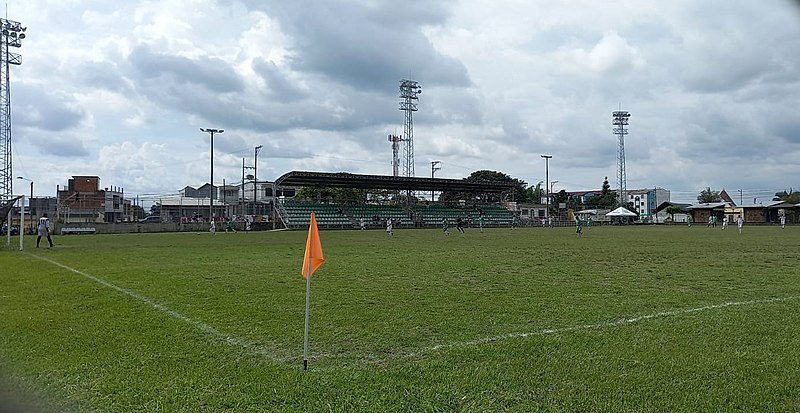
[(790, 197)]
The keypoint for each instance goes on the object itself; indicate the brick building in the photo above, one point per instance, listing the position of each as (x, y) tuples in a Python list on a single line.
[(83, 201)]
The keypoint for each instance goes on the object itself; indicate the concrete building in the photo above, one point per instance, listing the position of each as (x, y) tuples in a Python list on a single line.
[(645, 201), (82, 201)]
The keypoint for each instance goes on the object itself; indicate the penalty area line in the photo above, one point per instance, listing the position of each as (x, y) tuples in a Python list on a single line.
[(199, 325)]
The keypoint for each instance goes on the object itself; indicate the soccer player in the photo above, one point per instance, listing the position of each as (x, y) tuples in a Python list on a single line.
[(578, 227), (783, 221), (514, 222), (725, 222), (460, 225), (213, 228), (480, 222), (445, 227), (229, 226), (389, 228), (740, 223), (44, 230)]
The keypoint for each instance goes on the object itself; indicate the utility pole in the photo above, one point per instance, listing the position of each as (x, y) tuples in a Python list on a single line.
[(211, 195), (547, 179), (242, 204), (434, 167), (255, 174)]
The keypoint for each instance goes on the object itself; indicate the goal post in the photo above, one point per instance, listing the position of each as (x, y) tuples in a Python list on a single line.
[(6, 207)]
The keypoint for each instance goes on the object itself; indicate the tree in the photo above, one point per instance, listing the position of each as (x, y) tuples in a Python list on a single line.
[(672, 210), (606, 199), (790, 197), (708, 196), (338, 195), (534, 194), (517, 193)]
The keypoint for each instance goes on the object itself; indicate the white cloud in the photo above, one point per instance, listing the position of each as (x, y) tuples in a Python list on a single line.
[(120, 89)]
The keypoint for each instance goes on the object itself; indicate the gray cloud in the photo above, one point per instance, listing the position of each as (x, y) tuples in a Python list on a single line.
[(212, 74), (63, 146), (103, 75), (46, 110), (279, 84), (366, 47)]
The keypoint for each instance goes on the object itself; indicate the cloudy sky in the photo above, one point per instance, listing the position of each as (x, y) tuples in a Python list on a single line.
[(119, 89)]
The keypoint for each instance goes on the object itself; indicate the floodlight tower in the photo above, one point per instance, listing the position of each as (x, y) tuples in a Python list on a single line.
[(620, 122), (11, 35), (395, 140), (409, 92)]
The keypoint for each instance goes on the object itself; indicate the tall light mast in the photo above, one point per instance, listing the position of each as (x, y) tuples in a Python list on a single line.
[(620, 122), (409, 92), (11, 35)]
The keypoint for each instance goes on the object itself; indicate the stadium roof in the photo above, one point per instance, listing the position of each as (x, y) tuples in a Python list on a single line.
[(348, 180)]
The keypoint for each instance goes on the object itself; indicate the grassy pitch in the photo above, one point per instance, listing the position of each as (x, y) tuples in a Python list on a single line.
[(625, 319)]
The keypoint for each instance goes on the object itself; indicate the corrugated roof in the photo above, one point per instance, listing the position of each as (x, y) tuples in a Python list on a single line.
[(348, 180), (712, 205)]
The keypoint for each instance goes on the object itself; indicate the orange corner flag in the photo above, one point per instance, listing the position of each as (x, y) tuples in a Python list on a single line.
[(313, 249)]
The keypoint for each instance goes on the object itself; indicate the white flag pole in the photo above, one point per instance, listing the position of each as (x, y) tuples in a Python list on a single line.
[(21, 222), (308, 297), (8, 233)]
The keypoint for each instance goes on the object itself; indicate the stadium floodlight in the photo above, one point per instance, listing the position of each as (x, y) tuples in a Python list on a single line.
[(620, 121), (11, 36), (211, 190)]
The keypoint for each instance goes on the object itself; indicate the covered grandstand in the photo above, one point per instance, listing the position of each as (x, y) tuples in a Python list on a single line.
[(405, 211)]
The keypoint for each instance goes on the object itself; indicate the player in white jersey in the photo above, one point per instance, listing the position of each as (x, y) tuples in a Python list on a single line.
[(44, 230)]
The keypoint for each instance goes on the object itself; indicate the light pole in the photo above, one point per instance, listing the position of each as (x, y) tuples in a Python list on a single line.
[(211, 195), (547, 179), (255, 175), (434, 167), (29, 180), (30, 200)]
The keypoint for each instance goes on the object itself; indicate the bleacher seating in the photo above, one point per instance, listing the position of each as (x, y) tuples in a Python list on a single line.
[(494, 215), (298, 214), (333, 215), (369, 212)]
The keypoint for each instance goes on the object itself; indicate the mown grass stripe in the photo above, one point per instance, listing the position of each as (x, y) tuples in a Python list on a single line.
[(254, 348), (217, 334)]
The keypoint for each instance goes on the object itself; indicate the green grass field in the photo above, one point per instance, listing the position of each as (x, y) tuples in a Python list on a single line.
[(625, 319)]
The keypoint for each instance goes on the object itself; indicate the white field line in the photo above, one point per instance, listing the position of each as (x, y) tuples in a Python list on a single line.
[(597, 326), (218, 335), (254, 349)]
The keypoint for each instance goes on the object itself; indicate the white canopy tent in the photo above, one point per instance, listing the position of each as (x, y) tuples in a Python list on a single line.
[(621, 212)]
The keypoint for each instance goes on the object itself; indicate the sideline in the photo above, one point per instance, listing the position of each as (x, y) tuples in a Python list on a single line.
[(217, 334)]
